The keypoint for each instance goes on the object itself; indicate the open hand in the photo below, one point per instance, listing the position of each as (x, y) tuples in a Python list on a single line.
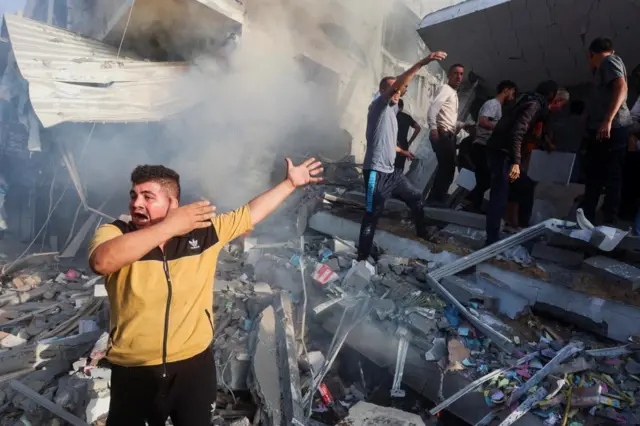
[(305, 173), (185, 219), (434, 56), (604, 132), (514, 174)]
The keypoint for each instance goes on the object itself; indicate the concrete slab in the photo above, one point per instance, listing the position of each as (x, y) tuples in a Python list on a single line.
[(287, 354), (456, 217), (557, 255), (466, 291), (614, 271), (472, 237), (509, 303), (266, 378), (607, 318), (349, 230)]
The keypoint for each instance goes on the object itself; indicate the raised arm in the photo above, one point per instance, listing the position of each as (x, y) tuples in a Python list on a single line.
[(267, 202), (111, 250), (405, 78)]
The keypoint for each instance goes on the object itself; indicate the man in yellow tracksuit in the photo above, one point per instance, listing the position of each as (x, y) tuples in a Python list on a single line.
[(159, 271)]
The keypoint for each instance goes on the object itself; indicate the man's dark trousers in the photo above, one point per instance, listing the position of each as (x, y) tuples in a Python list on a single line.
[(445, 149), (142, 394), (379, 187), (483, 174), (604, 162), (500, 165)]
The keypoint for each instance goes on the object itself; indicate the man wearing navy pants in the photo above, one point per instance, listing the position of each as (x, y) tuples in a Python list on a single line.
[(380, 177)]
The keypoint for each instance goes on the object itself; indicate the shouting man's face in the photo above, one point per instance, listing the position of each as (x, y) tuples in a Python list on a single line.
[(149, 203)]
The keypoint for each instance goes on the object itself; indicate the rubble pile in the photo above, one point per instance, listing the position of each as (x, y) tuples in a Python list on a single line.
[(283, 311)]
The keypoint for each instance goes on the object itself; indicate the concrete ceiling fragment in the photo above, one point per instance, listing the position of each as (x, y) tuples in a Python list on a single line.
[(72, 78), (530, 41)]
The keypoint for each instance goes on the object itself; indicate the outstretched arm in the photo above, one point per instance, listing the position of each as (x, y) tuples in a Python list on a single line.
[(266, 203)]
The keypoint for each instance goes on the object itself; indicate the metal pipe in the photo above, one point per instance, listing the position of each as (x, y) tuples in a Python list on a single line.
[(498, 338), (493, 250)]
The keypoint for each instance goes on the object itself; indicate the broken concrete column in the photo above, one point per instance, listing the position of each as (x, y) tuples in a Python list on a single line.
[(456, 217), (471, 237), (557, 255), (465, 292), (287, 354), (265, 378), (614, 271)]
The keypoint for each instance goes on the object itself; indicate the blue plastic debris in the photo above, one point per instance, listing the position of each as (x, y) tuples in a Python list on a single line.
[(325, 254), (467, 363), (451, 314), (295, 260), (463, 331)]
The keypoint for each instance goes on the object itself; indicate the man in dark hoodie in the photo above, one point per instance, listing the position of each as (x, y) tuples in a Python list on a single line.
[(504, 149)]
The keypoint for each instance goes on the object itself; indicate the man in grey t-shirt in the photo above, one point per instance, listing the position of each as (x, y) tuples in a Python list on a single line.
[(608, 121), (381, 180)]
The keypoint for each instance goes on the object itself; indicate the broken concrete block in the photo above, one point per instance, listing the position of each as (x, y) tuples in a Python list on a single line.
[(420, 324), (97, 408), (358, 277), (456, 217), (366, 414), (315, 360), (557, 255), (466, 292), (263, 288), (342, 246), (249, 243), (254, 256), (334, 264), (100, 291), (236, 369), (10, 341), (383, 308), (438, 351), (509, 302), (471, 237), (614, 271)]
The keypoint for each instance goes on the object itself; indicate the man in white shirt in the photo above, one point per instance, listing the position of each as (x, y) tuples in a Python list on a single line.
[(444, 126), (488, 117)]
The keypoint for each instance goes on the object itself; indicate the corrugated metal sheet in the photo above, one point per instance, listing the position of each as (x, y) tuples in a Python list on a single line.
[(58, 65)]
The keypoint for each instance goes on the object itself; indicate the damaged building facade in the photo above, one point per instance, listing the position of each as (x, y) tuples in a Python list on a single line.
[(138, 52)]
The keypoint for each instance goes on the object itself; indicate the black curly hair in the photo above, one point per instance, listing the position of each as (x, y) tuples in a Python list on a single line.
[(168, 178)]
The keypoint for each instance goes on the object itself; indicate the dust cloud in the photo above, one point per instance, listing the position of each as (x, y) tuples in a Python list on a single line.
[(254, 107)]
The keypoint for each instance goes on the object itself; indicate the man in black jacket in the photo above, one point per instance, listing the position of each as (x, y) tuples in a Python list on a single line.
[(504, 149)]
